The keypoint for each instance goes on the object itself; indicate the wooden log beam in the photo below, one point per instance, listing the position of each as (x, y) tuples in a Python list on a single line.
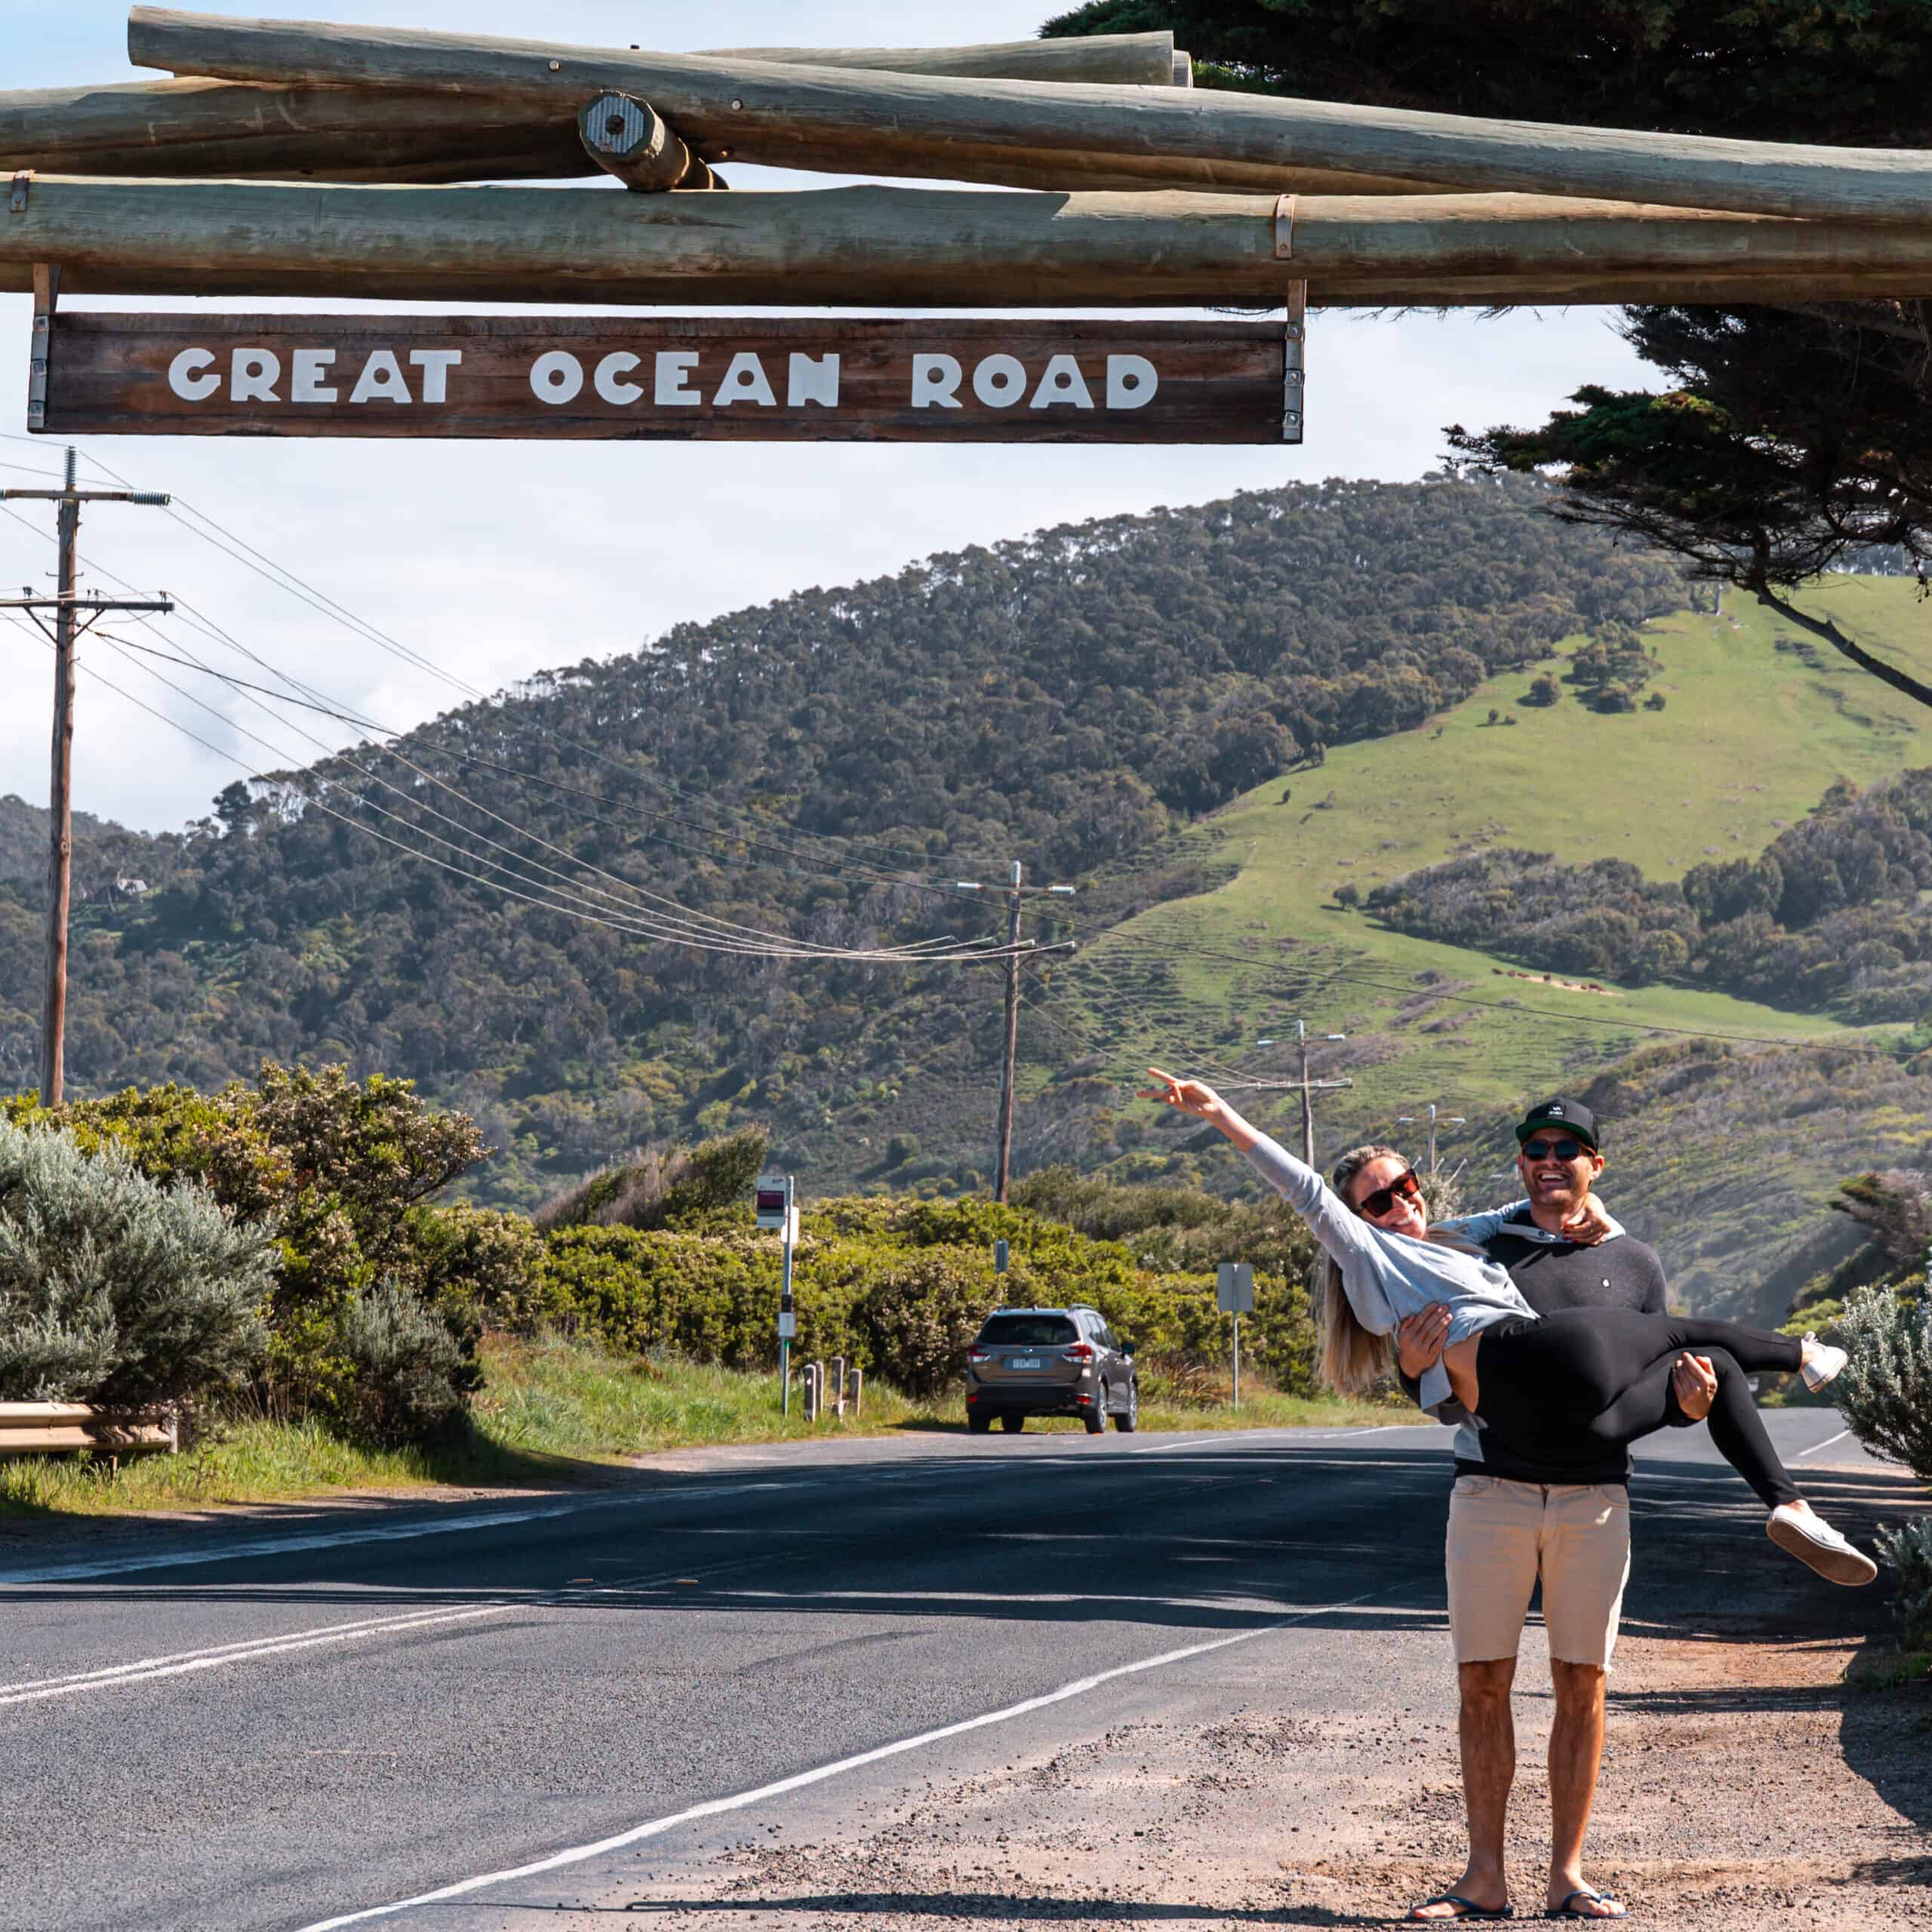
[(228, 130), (627, 138), (817, 117), (240, 131), (1131, 59), (908, 247), (237, 130)]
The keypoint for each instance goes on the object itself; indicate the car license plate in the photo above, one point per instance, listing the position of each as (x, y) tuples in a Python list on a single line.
[(1025, 1361)]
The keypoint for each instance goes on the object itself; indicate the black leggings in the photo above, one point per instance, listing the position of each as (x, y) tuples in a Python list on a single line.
[(1572, 1387)]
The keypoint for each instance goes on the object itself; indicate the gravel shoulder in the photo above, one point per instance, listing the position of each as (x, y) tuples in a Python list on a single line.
[(1746, 1784)]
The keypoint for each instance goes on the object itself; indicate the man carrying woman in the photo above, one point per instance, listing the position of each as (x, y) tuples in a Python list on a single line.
[(1562, 1391)]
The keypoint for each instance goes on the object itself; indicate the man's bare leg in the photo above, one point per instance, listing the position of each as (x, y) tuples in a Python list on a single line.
[(1488, 1733), (1576, 1753)]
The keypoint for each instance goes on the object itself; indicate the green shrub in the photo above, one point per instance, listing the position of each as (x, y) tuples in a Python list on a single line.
[(115, 1291), (483, 1264), (1907, 1551), (338, 1171), (899, 1286), (410, 1376), (917, 1319), (664, 1190), (1884, 1392)]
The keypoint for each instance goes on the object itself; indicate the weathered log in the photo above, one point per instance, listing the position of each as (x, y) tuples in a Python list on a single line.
[(903, 124), (1142, 59), (239, 130), (627, 138), (907, 248), (1183, 68)]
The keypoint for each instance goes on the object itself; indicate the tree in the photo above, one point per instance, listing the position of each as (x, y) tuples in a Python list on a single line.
[(1793, 440), (1546, 690)]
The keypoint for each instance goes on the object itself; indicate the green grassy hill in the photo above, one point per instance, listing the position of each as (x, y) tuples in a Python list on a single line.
[(1758, 722)]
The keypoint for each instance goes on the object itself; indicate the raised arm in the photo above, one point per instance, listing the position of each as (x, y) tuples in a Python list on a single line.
[(1339, 1229)]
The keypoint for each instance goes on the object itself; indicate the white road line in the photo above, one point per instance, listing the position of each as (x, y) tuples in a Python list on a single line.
[(217, 1657), (801, 1780), (304, 1640), (1289, 1439), (1817, 1446)]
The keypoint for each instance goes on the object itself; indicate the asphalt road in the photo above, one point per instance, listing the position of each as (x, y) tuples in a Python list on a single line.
[(297, 1725)]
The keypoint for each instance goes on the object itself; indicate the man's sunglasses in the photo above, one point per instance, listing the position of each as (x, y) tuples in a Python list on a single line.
[(1375, 1205), (1553, 1150)]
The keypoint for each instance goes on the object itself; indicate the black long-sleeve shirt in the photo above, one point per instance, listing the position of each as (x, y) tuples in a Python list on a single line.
[(1619, 1272)]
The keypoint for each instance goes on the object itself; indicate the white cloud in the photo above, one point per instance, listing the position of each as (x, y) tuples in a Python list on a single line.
[(499, 559)]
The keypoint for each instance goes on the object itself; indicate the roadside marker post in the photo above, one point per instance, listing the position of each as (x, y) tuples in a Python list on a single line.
[(1233, 1294), (776, 1208)]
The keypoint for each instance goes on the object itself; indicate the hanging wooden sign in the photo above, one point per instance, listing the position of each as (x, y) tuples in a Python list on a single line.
[(974, 379)]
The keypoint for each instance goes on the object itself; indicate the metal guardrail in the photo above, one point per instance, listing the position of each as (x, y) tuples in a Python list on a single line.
[(28, 1428)]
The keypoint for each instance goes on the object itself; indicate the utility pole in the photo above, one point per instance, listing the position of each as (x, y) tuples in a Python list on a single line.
[(1309, 1088), (1016, 890), (1448, 1120), (69, 607), (1005, 1169)]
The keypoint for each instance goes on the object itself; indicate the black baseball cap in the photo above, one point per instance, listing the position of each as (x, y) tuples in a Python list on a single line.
[(1571, 1115)]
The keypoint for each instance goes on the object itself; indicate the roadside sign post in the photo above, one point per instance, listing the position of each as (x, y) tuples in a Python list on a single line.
[(776, 1209), (1233, 1294)]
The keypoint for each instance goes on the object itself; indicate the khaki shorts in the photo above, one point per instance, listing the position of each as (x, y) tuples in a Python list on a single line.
[(1503, 1536)]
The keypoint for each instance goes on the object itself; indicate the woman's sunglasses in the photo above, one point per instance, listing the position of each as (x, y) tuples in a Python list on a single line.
[(1404, 1186)]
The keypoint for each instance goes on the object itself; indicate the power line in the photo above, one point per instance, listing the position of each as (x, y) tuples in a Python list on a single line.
[(681, 922), (286, 580), (315, 699), (546, 905)]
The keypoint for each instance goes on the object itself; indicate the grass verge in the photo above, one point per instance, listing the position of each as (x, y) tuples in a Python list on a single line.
[(556, 1411)]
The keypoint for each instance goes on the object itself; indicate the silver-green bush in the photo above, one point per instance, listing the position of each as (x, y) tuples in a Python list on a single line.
[(115, 1291), (1907, 1552), (1885, 1391), (410, 1372)]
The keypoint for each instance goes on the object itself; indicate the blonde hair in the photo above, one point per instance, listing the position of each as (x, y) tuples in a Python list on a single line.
[(1352, 1360)]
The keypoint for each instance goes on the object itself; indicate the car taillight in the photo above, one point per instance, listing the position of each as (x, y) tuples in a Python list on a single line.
[(1080, 1352), (979, 1354)]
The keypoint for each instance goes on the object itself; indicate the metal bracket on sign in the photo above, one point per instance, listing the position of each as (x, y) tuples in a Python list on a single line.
[(1294, 346), (46, 302), (17, 202)]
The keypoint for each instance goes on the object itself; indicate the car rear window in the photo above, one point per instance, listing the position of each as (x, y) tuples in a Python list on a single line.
[(1028, 1331)]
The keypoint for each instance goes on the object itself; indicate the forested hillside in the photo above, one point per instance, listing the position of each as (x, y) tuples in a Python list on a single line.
[(1830, 917), (826, 766)]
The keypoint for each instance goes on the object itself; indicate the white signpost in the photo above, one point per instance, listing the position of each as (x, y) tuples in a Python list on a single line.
[(1233, 1294), (777, 1209)]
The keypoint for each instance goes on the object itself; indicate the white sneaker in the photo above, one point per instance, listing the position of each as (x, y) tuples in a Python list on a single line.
[(1812, 1540), (1822, 1363)]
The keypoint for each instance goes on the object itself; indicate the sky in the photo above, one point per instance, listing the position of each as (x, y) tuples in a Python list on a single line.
[(497, 560)]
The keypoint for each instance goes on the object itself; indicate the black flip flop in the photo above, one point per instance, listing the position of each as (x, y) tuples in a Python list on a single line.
[(1594, 1918), (1470, 1910)]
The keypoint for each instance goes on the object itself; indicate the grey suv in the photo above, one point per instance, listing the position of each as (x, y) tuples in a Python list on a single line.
[(1050, 1361)]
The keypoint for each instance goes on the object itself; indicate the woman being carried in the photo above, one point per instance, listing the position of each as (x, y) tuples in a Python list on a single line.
[(1557, 1390)]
